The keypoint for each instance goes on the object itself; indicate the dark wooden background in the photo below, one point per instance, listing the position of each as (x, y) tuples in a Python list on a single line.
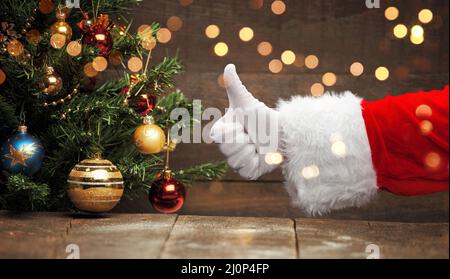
[(339, 32)]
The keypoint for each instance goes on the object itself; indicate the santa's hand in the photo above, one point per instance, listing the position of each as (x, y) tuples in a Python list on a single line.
[(248, 132)]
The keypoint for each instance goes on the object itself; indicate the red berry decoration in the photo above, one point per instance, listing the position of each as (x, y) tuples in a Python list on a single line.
[(167, 194)]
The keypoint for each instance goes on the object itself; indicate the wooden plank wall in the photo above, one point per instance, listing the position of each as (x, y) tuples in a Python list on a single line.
[(339, 32)]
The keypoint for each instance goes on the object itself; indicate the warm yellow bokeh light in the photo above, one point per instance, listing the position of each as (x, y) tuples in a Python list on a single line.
[(274, 158), (417, 40), (221, 49), (74, 48), (382, 73), (275, 66), (425, 16), (426, 127), (311, 172), (212, 31), (433, 160), (256, 4), (317, 89), (100, 64), (339, 149), (329, 79), (265, 48), (89, 70), (246, 34), (174, 23), (288, 57), (311, 62), (278, 7), (221, 81), (2, 77), (400, 31), (135, 64), (164, 35), (417, 31), (185, 3), (391, 13), (424, 111), (357, 69)]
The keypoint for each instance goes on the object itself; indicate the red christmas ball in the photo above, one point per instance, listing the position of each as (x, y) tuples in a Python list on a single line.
[(167, 195), (100, 37)]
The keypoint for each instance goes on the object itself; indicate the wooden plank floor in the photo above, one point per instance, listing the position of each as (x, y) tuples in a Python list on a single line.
[(54, 235)]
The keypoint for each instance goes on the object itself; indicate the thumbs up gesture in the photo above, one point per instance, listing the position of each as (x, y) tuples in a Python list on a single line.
[(248, 133)]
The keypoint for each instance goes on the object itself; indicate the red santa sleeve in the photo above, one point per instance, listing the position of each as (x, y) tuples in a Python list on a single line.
[(341, 150), (409, 138)]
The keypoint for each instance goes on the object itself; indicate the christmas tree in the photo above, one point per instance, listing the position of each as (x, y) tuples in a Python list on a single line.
[(52, 56)]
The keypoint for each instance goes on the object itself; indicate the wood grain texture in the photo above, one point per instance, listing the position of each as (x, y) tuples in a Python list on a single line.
[(47, 235), (121, 236), (31, 235), (231, 237), (270, 199), (350, 239)]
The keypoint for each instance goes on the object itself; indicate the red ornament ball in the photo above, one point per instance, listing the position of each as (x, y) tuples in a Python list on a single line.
[(100, 37), (167, 195)]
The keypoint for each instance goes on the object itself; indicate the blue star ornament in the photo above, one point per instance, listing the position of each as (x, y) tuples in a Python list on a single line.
[(22, 153)]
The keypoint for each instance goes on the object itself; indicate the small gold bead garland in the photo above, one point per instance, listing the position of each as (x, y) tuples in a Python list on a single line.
[(63, 100)]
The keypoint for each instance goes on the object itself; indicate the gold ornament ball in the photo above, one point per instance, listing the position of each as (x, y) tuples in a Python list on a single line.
[(52, 83), (63, 28), (149, 139), (15, 48), (95, 185)]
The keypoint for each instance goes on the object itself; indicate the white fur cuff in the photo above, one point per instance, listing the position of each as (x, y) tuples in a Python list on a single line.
[(328, 158)]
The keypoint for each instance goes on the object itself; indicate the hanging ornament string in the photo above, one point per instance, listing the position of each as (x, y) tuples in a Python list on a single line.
[(63, 100)]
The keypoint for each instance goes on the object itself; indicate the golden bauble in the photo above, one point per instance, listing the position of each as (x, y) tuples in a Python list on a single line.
[(149, 139), (52, 83), (15, 48), (95, 185), (63, 28)]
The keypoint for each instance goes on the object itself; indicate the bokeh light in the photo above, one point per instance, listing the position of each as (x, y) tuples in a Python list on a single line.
[(278, 7), (174, 23), (221, 81), (246, 34), (391, 13), (433, 160), (89, 70), (357, 69), (74, 48), (265, 48), (275, 66), (185, 3), (135, 64), (100, 64), (426, 127), (212, 31), (311, 172), (311, 62), (221, 49), (329, 79), (417, 31), (288, 57), (317, 89), (164, 35), (425, 16), (256, 4), (2, 77), (339, 149), (424, 111), (417, 40), (274, 158), (382, 73), (400, 31)]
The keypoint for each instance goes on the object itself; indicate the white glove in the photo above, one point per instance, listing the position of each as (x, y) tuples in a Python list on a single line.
[(248, 133)]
